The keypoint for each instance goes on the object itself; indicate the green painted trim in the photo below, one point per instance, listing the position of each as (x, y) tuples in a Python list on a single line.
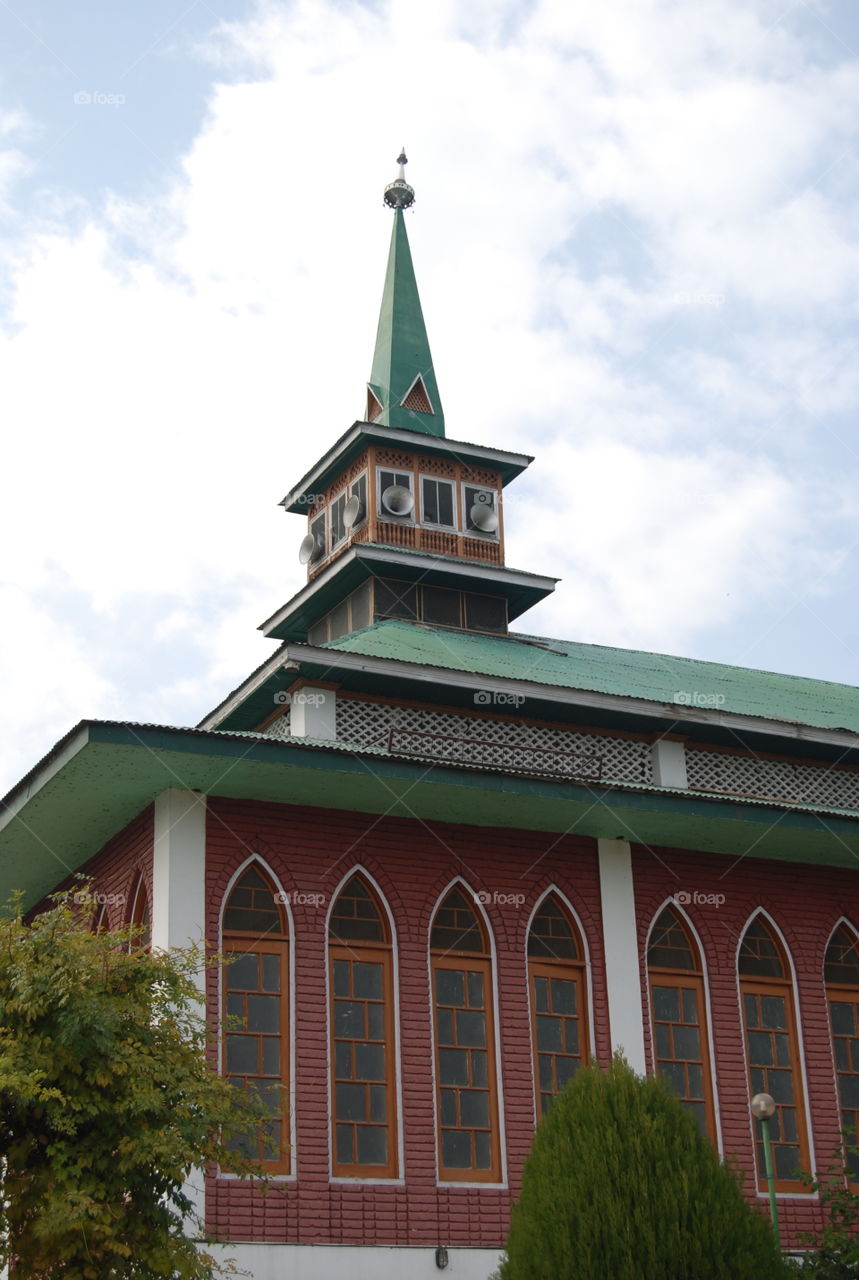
[(105, 773)]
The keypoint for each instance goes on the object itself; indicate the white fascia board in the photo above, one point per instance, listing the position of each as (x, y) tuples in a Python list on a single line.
[(335, 659), (244, 691)]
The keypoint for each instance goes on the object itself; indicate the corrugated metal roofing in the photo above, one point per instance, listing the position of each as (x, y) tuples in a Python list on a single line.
[(628, 673)]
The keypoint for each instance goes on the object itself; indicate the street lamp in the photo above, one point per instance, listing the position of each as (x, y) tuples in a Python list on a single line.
[(763, 1106)]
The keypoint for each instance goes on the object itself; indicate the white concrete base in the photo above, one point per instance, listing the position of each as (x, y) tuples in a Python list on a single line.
[(355, 1262)]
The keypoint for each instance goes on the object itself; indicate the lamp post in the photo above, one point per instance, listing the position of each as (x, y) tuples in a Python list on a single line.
[(763, 1106)]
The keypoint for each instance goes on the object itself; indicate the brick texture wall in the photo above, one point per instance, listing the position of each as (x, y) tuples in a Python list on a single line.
[(805, 903), (412, 862)]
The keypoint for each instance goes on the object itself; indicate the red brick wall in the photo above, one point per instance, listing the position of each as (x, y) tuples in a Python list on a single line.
[(805, 903), (412, 862)]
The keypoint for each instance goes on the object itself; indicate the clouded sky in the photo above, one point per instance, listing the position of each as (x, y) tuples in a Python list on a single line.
[(637, 244)]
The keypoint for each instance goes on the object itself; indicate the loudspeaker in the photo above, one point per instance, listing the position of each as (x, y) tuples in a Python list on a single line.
[(398, 500)]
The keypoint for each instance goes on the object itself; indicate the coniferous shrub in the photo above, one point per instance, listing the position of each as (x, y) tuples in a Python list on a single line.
[(620, 1185)]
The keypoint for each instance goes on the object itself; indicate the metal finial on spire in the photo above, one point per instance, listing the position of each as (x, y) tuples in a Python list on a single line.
[(398, 194)]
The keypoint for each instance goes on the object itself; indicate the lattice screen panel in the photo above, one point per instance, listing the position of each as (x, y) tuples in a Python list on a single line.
[(500, 744), (279, 728), (773, 779)]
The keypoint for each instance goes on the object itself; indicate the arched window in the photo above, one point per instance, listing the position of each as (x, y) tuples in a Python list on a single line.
[(466, 1083), (841, 971), (256, 1015), (556, 979), (772, 1054), (681, 1052), (140, 918), (363, 1062)]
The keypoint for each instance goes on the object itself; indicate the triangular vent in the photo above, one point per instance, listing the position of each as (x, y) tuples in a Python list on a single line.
[(416, 397), (374, 408)]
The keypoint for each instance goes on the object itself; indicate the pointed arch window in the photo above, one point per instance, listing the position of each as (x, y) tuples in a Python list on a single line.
[(140, 919), (255, 1010), (772, 1053), (841, 972), (466, 1080), (681, 1050), (363, 1061), (559, 1020)]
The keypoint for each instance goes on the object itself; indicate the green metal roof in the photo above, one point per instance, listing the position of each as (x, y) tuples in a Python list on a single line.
[(102, 774), (657, 677), (402, 348)]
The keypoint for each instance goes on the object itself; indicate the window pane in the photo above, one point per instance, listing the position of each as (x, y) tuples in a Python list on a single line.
[(271, 1055), (563, 996), (242, 1055), (471, 1029), (687, 1043), (370, 1061), (760, 1049), (378, 1102), (571, 1036), (482, 1151), (243, 973), (479, 1074), (690, 1006), (666, 1004), (780, 1085), (367, 979), (349, 1101), (541, 994), (344, 1144), (341, 978), (450, 986), (263, 1013), (375, 1022), (270, 972), (842, 1018), (786, 1162), (236, 1009), (474, 1108), (372, 1144), (349, 1020), (549, 1035), (455, 1149), (453, 1066), (475, 990), (448, 1107), (773, 1013), (343, 1059), (567, 1068)]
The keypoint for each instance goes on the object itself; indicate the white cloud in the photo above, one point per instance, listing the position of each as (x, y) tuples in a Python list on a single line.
[(587, 177)]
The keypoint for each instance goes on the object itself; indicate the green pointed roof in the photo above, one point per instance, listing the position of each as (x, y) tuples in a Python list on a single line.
[(402, 391)]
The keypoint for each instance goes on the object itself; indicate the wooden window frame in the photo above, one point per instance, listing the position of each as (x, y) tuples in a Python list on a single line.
[(242, 942), (368, 953), (783, 988), (687, 980), (565, 968), (469, 962), (454, 526), (139, 908), (843, 993)]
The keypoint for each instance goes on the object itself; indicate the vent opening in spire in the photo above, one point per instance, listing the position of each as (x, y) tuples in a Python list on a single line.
[(374, 407), (416, 397)]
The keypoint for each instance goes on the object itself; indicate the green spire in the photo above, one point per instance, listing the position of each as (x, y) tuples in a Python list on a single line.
[(402, 391)]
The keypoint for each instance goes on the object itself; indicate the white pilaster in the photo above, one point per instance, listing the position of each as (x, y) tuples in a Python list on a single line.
[(313, 713), (620, 938), (179, 895), (669, 764)]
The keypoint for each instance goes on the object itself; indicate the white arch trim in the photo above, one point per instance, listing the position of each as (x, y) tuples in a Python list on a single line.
[(472, 895), (800, 1041), (359, 870), (283, 901), (675, 906)]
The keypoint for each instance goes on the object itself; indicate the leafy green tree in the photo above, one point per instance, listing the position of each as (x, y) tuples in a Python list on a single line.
[(620, 1185), (107, 1102), (833, 1251)]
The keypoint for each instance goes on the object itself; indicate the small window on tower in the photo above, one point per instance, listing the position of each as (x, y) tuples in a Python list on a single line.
[(441, 606), (395, 493), (396, 599), (338, 526), (437, 502), (481, 513), (317, 529), (358, 491)]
